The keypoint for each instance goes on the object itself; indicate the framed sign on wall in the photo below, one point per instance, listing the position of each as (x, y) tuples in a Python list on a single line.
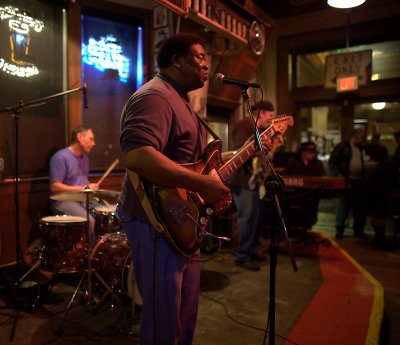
[(178, 6)]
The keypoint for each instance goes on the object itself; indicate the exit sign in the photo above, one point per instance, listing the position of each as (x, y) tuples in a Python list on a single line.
[(344, 84)]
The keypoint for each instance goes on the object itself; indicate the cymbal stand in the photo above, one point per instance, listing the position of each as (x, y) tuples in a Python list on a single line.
[(88, 274)]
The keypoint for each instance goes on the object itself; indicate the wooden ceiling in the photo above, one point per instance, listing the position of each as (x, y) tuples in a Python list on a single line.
[(277, 9), (287, 8)]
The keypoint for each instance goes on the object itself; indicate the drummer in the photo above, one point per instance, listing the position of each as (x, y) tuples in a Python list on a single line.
[(69, 171)]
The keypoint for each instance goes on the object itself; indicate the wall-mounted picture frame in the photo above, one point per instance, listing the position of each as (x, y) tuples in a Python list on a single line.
[(160, 35), (178, 6), (160, 17)]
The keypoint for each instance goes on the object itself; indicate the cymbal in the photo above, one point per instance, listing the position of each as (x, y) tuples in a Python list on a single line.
[(81, 195)]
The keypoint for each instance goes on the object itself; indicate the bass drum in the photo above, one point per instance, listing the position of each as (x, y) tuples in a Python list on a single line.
[(112, 260)]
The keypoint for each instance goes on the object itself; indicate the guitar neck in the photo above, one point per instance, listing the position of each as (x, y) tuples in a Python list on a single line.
[(230, 167)]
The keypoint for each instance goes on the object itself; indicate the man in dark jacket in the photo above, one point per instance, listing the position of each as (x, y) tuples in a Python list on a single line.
[(347, 160)]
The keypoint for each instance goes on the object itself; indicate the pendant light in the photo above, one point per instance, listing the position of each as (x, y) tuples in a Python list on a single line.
[(345, 3)]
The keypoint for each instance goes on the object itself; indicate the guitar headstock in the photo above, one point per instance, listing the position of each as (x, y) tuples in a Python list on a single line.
[(281, 122)]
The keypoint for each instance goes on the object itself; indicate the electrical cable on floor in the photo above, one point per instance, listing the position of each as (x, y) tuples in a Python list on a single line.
[(242, 323)]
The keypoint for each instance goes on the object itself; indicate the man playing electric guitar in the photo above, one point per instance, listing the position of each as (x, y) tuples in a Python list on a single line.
[(247, 200), (160, 136)]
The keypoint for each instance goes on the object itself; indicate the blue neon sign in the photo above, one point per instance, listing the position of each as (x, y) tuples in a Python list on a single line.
[(106, 53)]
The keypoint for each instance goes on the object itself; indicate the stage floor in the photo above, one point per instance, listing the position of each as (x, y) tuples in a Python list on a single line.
[(234, 304)]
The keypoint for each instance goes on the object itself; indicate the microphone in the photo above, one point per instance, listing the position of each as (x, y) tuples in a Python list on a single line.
[(243, 84), (85, 103)]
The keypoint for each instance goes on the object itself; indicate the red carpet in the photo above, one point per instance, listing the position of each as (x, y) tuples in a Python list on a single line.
[(348, 307)]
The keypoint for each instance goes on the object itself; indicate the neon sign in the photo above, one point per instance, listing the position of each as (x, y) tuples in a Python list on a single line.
[(106, 53), (19, 26)]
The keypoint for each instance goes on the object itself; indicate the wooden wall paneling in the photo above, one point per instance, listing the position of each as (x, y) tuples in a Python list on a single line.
[(239, 64), (33, 197)]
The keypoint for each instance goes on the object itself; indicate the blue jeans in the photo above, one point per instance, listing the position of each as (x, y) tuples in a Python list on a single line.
[(248, 205), (168, 282)]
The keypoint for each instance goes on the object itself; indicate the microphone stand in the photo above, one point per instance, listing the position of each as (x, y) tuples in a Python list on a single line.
[(273, 185), (16, 112)]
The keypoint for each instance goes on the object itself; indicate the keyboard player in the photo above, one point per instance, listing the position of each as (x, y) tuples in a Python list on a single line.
[(301, 204)]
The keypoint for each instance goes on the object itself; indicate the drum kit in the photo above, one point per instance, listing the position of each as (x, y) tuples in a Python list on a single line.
[(65, 249)]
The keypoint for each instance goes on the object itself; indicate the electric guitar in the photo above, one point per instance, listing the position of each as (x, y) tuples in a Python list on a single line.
[(183, 213)]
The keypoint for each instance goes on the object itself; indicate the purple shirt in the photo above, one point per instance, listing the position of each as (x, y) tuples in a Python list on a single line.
[(67, 168), (159, 115)]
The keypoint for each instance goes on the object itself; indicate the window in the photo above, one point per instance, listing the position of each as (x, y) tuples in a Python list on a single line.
[(381, 119), (112, 65), (385, 63), (321, 124)]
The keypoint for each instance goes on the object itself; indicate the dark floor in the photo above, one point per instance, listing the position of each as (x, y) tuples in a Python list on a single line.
[(233, 306)]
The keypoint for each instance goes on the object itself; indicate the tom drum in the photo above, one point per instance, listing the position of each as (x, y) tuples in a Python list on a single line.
[(64, 243)]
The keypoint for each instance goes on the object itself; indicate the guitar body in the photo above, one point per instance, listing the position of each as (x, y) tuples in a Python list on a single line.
[(184, 213)]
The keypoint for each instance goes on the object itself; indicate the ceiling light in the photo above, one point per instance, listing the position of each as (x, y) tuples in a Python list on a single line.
[(375, 76), (345, 3), (378, 105)]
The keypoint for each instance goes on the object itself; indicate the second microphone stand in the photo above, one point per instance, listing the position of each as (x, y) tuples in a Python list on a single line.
[(273, 185)]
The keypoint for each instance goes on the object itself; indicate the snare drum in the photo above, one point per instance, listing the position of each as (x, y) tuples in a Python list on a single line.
[(64, 243), (111, 258), (106, 220)]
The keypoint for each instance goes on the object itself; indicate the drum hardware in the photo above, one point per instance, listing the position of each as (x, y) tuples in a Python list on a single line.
[(89, 272), (34, 286), (111, 257), (16, 111)]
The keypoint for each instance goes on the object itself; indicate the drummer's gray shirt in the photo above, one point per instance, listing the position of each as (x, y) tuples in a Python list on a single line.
[(159, 115)]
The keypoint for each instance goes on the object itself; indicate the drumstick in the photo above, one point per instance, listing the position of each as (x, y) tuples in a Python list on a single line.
[(112, 166)]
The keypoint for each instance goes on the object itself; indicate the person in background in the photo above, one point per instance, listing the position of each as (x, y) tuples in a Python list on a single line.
[(69, 171), (160, 134), (302, 205), (375, 150), (347, 160), (397, 151), (305, 162), (246, 197), (380, 190)]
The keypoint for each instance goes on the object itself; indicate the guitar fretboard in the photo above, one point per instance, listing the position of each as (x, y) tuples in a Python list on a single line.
[(232, 165)]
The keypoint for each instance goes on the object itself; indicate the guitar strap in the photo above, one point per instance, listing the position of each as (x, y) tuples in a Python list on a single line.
[(144, 200), (207, 127)]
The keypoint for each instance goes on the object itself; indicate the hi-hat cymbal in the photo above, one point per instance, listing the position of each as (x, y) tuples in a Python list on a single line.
[(81, 195)]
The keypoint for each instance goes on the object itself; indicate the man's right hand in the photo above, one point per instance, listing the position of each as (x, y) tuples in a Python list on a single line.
[(93, 186), (212, 189)]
